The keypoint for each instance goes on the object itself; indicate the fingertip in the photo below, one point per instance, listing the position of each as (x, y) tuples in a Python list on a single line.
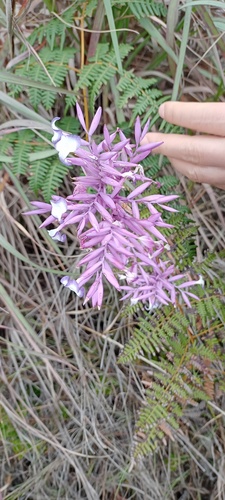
[(162, 110), (146, 140), (153, 138)]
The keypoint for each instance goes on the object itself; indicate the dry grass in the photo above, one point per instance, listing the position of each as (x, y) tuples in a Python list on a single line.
[(68, 409)]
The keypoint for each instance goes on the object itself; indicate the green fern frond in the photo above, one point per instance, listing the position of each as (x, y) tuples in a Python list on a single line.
[(54, 31), (145, 8), (45, 175), (183, 241), (53, 179), (131, 85), (152, 166), (70, 101), (152, 337), (21, 151), (167, 182), (56, 63), (101, 68), (90, 6), (142, 90), (186, 346), (38, 173), (147, 104), (7, 142), (209, 309)]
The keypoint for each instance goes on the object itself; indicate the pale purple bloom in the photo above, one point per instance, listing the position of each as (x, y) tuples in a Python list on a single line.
[(59, 207), (56, 235), (127, 251), (72, 285), (64, 142)]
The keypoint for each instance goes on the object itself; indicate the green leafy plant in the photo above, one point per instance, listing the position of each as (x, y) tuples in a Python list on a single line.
[(147, 97), (100, 69), (51, 66), (29, 157), (184, 349)]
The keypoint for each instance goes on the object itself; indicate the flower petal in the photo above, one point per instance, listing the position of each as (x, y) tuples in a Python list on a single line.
[(64, 142), (80, 116), (56, 235), (95, 121), (59, 207), (68, 143), (72, 285), (137, 130)]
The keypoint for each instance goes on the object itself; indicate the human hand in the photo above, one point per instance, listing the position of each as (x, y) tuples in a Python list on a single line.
[(200, 157)]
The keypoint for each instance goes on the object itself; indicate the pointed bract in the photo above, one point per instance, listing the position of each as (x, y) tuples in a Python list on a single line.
[(80, 116), (95, 122)]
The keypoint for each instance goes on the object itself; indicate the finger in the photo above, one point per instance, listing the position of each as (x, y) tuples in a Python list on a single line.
[(208, 117), (198, 149), (219, 186), (207, 174)]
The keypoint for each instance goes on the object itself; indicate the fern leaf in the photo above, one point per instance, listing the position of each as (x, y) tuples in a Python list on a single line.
[(54, 31), (147, 8), (21, 152), (131, 86), (142, 90), (56, 63), (7, 142), (38, 173), (186, 357), (100, 70), (70, 102), (53, 178), (90, 6)]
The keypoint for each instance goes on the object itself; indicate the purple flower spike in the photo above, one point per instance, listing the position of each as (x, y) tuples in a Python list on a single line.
[(118, 246)]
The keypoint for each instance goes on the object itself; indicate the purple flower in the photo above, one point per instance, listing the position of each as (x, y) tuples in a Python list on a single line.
[(59, 207), (119, 246), (41, 208), (72, 285), (156, 287), (56, 235), (64, 142)]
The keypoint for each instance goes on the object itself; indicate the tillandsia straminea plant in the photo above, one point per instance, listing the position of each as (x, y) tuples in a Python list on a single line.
[(128, 251)]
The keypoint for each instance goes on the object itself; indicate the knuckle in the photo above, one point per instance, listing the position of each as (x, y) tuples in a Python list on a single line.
[(194, 174), (193, 153)]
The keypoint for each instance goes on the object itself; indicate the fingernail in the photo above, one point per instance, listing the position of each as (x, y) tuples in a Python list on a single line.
[(161, 110)]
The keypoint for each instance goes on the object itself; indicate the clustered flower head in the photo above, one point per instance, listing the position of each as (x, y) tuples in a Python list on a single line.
[(105, 207)]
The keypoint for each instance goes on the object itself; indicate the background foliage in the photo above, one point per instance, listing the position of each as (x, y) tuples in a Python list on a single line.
[(90, 403)]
